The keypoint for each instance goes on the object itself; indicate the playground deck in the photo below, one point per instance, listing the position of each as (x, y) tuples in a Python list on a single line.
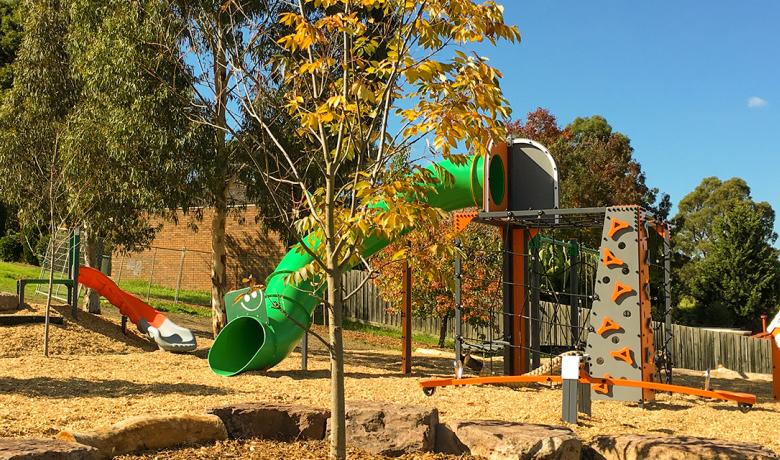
[(97, 376)]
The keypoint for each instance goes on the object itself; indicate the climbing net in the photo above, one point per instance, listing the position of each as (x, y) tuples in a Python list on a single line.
[(556, 285)]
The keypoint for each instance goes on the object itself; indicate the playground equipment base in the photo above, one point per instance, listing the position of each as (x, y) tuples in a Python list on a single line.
[(744, 400)]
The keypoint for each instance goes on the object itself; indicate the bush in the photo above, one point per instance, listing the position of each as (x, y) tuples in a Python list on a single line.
[(11, 248)]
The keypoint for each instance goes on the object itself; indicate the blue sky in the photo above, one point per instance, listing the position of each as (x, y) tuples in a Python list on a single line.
[(676, 77)]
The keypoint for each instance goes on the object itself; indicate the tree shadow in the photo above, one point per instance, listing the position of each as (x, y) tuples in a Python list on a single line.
[(48, 387)]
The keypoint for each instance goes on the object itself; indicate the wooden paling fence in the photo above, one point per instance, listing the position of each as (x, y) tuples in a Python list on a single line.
[(692, 348)]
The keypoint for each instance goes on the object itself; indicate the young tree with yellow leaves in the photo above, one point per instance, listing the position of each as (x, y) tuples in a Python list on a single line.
[(364, 81)]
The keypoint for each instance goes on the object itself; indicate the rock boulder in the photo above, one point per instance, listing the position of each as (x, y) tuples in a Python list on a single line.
[(640, 446), (391, 429), (49, 449), (499, 440), (279, 422)]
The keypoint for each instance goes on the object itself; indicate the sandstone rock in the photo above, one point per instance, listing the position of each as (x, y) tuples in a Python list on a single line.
[(151, 432), (638, 446), (391, 429), (8, 301), (49, 449), (278, 422), (497, 440)]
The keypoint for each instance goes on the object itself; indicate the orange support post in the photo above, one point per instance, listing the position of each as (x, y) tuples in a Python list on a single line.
[(519, 345), (775, 369)]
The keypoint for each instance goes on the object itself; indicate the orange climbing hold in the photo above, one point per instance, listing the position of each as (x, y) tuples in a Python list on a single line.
[(602, 388), (621, 289), (616, 226), (624, 354), (610, 260), (608, 325)]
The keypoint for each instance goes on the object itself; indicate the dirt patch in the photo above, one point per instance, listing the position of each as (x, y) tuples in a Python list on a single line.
[(97, 376), (89, 335), (259, 449)]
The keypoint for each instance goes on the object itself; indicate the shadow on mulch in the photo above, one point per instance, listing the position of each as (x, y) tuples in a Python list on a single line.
[(47, 387)]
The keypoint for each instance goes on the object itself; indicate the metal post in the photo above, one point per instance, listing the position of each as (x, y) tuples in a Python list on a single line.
[(570, 374), (305, 352), (508, 299), (406, 321), (668, 334), (178, 278), (574, 294), (151, 275), (535, 316), (458, 306), (74, 271)]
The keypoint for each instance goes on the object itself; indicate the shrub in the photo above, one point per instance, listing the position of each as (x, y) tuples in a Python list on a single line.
[(11, 248)]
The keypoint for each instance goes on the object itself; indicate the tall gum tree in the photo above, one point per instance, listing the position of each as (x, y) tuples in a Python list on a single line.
[(350, 68)]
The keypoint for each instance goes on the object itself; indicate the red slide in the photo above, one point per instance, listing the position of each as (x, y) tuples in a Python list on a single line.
[(157, 326)]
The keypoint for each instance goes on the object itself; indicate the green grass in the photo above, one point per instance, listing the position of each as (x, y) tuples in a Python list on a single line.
[(395, 333), (140, 289)]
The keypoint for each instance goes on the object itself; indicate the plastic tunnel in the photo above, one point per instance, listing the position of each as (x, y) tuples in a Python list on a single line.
[(263, 335)]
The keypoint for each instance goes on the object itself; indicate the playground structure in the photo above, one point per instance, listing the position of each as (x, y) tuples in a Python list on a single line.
[(516, 189), (150, 322)]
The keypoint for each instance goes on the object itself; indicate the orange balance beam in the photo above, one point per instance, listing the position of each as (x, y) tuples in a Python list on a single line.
[(742, 398)]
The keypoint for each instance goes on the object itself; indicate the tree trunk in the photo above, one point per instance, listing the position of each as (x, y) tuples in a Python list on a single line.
[(93, 253), (338, 437), (443, 331), (218, 264), (221, 186)]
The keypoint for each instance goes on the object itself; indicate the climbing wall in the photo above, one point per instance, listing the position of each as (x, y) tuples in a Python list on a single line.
[(620, 334)]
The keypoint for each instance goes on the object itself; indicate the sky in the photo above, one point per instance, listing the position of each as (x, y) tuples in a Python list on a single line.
[(695, 85)]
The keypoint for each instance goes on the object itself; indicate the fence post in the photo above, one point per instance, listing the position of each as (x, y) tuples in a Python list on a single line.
[(406, 320), (574, 294), (151, 275), (178, 277)]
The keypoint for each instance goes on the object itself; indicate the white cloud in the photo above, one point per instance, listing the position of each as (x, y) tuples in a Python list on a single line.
[(755, 102)]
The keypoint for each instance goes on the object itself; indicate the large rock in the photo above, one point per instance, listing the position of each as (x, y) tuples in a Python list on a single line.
[(391, 429), (141, 433), (49, 449), (639, 446), (497, 440), (8, 301), (278, 422)]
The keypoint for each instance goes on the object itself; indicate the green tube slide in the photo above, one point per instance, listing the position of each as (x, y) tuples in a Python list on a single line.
[(263, 328)]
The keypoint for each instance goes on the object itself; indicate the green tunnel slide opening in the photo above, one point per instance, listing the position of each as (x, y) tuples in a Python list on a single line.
[(230, 357), (497, 180)]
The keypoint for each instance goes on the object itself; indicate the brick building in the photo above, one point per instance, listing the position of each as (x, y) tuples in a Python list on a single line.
[(180, 255)]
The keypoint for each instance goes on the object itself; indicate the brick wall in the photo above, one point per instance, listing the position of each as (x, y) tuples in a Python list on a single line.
[(181, 248)]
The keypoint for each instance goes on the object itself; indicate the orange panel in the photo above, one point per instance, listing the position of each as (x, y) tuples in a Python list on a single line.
[(463, 218)]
